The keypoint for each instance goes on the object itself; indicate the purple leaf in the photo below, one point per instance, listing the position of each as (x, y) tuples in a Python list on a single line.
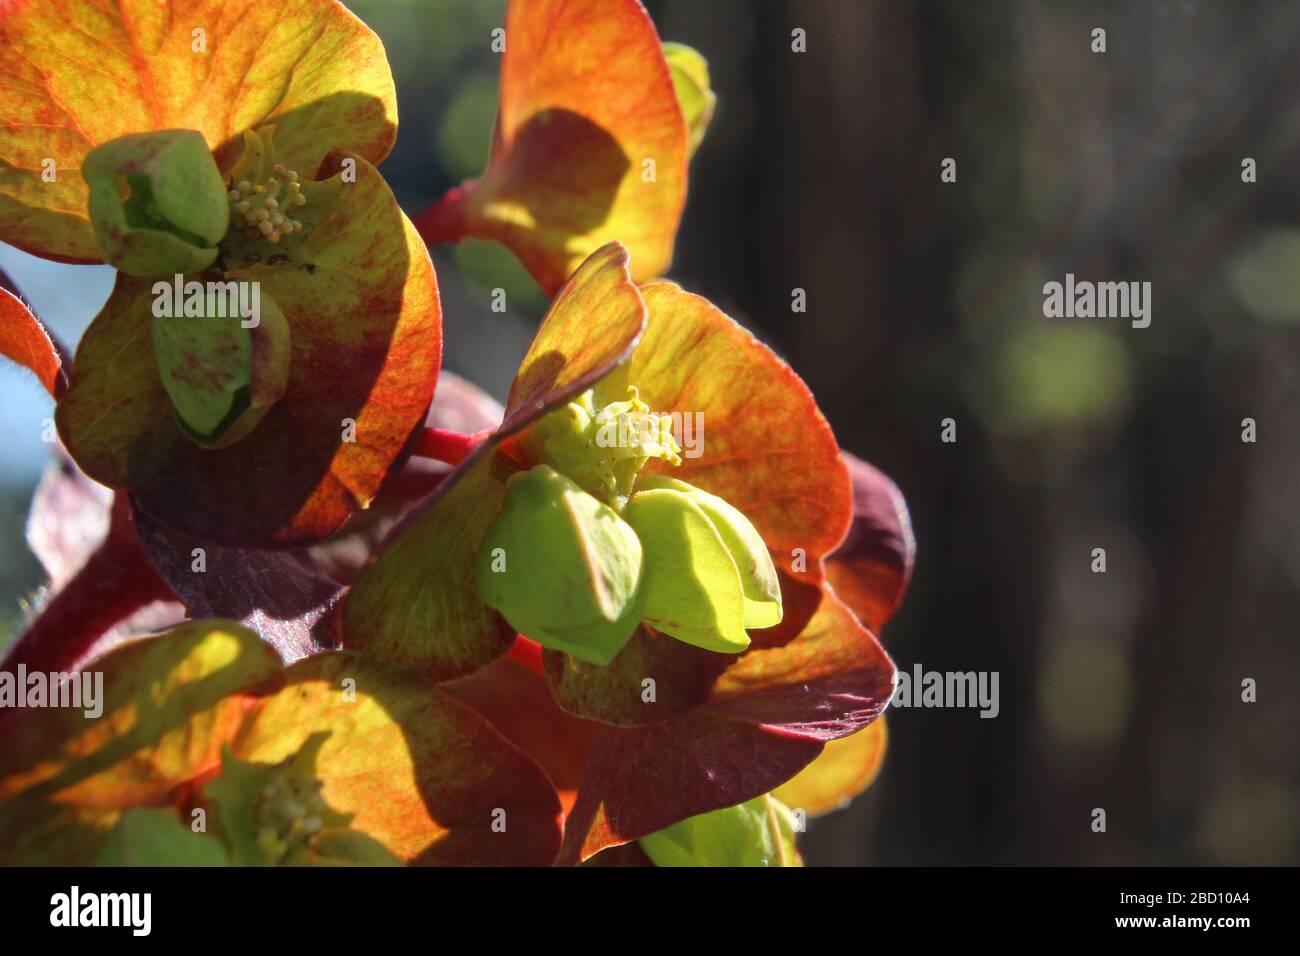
[(279, 594)]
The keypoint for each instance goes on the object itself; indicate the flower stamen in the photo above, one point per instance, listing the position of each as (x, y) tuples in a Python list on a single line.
[(287, 814), (261, 209)]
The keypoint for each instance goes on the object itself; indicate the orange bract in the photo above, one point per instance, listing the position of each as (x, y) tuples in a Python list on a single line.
[(590, 145), (844, 769), (24, 339), (764, 446), (81, 73)]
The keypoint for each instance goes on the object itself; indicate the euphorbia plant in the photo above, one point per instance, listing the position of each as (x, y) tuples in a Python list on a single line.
[(689, 711), (589, 627)]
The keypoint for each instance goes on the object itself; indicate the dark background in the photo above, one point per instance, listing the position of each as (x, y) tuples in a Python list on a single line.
[(821, 171)]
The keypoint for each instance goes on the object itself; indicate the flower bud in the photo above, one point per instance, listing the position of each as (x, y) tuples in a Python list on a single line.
[(157, 202), (708, 575), (561, 567), (222, 373)]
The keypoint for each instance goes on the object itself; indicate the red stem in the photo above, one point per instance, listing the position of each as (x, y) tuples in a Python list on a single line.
[(448, 446), (527, 652), (115, 582), (444, 220)]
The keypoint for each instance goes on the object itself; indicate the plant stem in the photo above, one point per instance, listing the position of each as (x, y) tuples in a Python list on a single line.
[(444, 220), (527, 652), (447, 446)]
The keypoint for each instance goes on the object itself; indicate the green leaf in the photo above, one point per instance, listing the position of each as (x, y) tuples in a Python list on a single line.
[(417, 604), (691, 589), (759, 832), (561, 567), (154, 836)]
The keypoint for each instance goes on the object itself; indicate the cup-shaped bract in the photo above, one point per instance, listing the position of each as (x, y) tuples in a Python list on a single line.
[(157, 203), (561, 567), (758, 832), (744, 544), (222, 370), (692, 587)]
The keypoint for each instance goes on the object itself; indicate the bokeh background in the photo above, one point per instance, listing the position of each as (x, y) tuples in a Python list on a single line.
[(821, 171)]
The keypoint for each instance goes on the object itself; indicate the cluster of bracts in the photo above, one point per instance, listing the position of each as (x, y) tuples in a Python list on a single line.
[(345, 609)]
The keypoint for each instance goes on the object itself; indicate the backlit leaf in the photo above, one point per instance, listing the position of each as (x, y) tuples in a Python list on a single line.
[(592, 326), (590, 144), (423, 773), (80, 73), (24, 340), (844, 769), (168, 704)]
